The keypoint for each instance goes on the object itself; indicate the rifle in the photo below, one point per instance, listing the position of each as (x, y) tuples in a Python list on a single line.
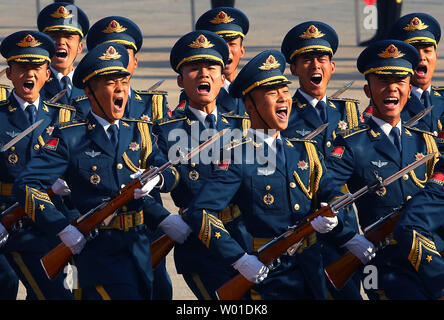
[(342, 90), (163, 245), (290, 240), (54, 261), (341, 270)]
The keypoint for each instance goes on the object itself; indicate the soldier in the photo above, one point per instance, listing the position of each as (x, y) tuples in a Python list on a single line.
[(97, 156), (419, 232), (383, 146), (199, 58), (423, 32), (232, 25), (271, 195), (67, 25), (309, 48), (28, 56), (142, 104)]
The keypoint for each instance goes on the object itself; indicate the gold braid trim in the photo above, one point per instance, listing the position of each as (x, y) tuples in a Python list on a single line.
[(352, 116), (41, 141), (3, 94), (246, 124), (157, 106), (208, 221), (64, 115), (430, 166), (439, 125), (419, 243), (145, 143), (129, 163), (314, 164), (30, 205)]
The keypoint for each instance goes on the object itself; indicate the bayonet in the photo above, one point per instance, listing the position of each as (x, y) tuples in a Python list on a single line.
[(314, 133), (342, 90), (21, 135), (58, 96), (418, 116), (156, 85)]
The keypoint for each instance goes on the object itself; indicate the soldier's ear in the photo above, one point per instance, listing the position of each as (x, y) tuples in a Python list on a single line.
[(80, 47), (367, 91), (293, 69), (180, 81), (8, 72)]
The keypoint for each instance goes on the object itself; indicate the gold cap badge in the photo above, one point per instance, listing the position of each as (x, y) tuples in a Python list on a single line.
[(110, 54), (312, 32), (201, 42), (415, 24), (28, 41), (62, 12), (114, 27), (270, 63), (391, 52), (222, 17)]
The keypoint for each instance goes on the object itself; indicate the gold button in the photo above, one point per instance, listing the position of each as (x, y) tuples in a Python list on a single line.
[(267, 188), (405, 177), (328, 144), (36, 147), (193, 165), (292, 185), (124, 208), (296, 206), (122, 186), (435, 133), (119, 166), (94, 168), (408, 198), (12, 148)]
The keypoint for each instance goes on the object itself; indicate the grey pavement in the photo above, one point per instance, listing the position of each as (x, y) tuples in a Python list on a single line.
[(164, 21)]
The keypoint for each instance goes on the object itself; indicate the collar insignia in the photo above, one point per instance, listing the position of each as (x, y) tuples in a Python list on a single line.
[(201, 42), (222, 17), (415, 24), (312, 32)]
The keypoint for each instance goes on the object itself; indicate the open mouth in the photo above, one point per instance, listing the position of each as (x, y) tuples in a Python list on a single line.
[(391, 102), (118, 103), (203, 88), (316, 79), (28, 86), (282, 113), (228, 62), (61, 53), (421, 71)]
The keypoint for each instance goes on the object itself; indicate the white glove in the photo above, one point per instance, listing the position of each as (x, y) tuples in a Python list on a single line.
[(361, 248), (175, 228), (324, 224), (3, 235), (60, 187), (146, 189), (72, 238), (251, 268)]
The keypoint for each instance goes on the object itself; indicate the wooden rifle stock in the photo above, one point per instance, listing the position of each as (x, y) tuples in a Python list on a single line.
[(160, 248), (237, 287), (341, 270)]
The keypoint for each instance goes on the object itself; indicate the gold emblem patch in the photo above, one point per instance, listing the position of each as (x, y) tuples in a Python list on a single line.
[(94, 179), (312, 32), (419, 156), (270, 63), (391, 52), (222, 17), (62, 12), (114, 27), (193, 175), (415, 24), (342, 125), (49, 130), (268, 199), (29, 41), (303, 165), (134, 146), (13, 158), (201, 42), (110, 54)]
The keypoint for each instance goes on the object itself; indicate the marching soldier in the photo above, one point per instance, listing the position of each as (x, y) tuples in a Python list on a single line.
[(382, 147), (67, 25), (309, 48), (98, 156), (199, 58), (232, 25), (28, 54), (420, 230), (271, 195), (423, 32), (142, 104)]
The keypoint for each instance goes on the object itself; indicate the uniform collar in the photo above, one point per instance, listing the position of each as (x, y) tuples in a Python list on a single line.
[(227, 85), (105, 124), (386, 127), (312, 101), (201, 115), (418, 91), (269, 140), (60, 75), (23, 104)]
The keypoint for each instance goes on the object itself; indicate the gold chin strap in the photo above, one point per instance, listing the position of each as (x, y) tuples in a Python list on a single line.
[(316, 172)]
